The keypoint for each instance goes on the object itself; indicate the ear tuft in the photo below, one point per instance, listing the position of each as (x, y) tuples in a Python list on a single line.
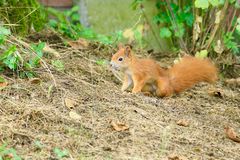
[(129, 45), (128, 50)]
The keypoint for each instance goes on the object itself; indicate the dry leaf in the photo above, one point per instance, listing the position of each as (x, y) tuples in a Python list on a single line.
[(218, 17), (70, 104), (50, 50), (215, 93), (3, 84), (219, 48), (196, 31), (183, 122), (74, 115), (35, 80), (119, 126), (199, 19), (79, 44), (231, 134), (234, 82), (176, 157)]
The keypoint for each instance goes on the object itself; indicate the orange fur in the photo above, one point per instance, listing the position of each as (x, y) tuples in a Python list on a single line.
[(146, 75)]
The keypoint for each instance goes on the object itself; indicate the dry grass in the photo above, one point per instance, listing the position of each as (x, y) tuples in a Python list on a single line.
[(37, 112)]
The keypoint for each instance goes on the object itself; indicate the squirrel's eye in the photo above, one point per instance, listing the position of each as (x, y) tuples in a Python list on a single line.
[(120, 59)]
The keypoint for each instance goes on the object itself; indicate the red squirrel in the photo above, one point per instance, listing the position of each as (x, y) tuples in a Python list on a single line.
[(146, 75)]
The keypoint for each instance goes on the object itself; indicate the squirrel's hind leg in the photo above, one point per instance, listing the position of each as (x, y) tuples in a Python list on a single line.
[(164, 89)]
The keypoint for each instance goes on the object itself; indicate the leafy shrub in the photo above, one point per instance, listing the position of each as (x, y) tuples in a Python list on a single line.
[(10, 57), (68, 24), (8, 153), (22, 15), (198, 25)]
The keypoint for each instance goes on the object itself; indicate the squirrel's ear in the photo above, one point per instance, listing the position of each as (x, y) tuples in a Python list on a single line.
[(128, 50), (129, 45)]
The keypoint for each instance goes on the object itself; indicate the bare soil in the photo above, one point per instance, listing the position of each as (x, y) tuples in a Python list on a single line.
[(33, 113)]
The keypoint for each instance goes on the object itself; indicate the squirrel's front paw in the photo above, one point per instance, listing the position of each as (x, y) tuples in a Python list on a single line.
[(126, 93)]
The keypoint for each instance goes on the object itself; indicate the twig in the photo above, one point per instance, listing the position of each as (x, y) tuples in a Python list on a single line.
[(27, 15)]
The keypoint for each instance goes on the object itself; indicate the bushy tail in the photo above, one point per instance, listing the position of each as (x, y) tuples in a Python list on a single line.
[(190, 71)]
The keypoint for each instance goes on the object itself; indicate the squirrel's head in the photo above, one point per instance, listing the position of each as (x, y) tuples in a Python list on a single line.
[(122, 58)]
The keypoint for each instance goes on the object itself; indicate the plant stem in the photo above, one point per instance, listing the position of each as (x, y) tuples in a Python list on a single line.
[(212, 36), (182, 44), (230, 25)]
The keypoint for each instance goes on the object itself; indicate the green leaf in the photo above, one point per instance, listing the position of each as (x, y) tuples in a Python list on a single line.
[(238, 29), (214, 2), (138, 36), (119, 35), (165, 32), (38, 144), (102, 62), (202, 54), (180, 30), (238, 20), (1, 81), (204, 4), (7, 53), (53, 23), (4, 31), (60, 153), (38, 48), (237, 5), (58, 65), (135, 4), (75, 8), (189, 19), (11, 62)]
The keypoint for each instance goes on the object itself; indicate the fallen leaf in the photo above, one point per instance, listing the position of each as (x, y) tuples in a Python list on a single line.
[(50, 50), (183, 122), (176, 157), (35, 80), (215, 93), (70, 104), (3, 84), (231, 134), (79, 44), (74, 115), (119, 126)]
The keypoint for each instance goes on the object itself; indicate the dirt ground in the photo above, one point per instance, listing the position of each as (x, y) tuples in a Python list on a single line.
[(77, 115)]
